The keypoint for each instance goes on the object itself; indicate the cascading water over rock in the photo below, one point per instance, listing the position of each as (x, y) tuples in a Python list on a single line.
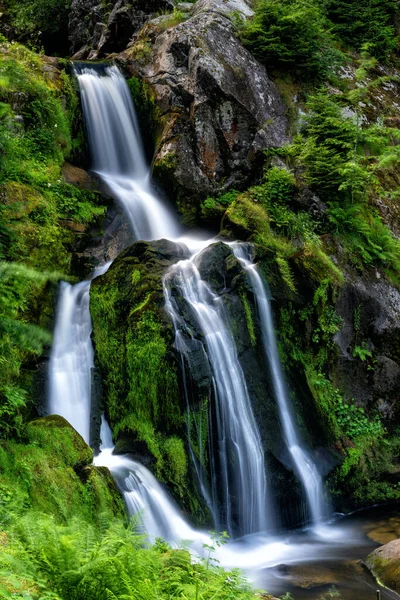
[(239, 497), (117, 151), (239, 459), (304, 466), (144, 497)]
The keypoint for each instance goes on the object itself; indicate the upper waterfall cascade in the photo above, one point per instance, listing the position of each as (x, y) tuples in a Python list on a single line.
[(117, 151), (241, 499)]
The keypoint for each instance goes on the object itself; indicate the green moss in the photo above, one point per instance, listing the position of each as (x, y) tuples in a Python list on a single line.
[(249, 319), (176, 460), (147, 109), (139, 373), (49, 472)]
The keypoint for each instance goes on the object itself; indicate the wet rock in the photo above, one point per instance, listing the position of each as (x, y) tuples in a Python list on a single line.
[(79, 177), (220, 110), (308, 577), (85, 15), (384, 564), (370, 309)]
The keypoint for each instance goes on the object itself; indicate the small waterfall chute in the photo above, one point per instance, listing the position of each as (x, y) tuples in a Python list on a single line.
[(304, 466)]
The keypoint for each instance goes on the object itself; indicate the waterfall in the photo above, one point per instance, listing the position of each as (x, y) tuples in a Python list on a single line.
[(240, 457), (117, 152), (239, 497), (304, 466), (145, 499), (71, 360)]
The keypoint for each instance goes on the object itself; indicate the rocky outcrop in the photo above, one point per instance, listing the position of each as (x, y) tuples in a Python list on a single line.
[(384, 564), (99, 28), (218, 108), (368, 365)]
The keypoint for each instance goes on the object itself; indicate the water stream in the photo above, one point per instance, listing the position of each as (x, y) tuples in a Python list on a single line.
[(72, 358)]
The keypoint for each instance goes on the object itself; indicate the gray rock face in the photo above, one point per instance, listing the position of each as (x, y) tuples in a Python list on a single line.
[(99, 28), (370, 310), (86, 18), (220, 110)]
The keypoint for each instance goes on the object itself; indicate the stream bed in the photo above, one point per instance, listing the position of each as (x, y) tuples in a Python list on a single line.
[(313, 567)]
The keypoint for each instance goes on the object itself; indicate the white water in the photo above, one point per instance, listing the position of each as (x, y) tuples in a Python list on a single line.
[(71, 360), (119, 160), (144, 497), (240, 457), (117, 152), (304, 466)]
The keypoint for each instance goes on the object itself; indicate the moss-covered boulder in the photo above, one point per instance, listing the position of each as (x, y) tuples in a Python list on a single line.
[(50, 470), (141, 386), (384, 564)]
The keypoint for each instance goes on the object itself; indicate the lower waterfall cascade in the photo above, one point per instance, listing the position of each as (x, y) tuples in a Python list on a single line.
[(243, 502)]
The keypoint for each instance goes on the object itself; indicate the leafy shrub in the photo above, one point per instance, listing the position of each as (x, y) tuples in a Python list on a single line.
[(213, 208), (41, 23), (44, 561)]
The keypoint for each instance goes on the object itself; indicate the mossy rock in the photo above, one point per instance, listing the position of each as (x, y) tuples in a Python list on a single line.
[(56, 436), (50, 471), (133, 340), (384, 564)]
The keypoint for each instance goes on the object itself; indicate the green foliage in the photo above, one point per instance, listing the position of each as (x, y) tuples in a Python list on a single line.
[(35, 206), (40, 22), (291, 35), (214, 208), (344, 162), (371, 23), (42, 560)]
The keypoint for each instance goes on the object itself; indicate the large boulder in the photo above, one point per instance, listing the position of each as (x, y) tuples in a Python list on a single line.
[(219, 110), (384, 563)]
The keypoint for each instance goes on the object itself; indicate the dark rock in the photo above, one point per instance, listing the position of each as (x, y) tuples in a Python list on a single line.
[(307, 200), (220, 110), (370, 309), (84, 16), (100, 28)]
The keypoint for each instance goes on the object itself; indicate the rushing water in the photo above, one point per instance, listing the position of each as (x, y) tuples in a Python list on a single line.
[(71, 360), (242, 490), (304, 466), (145, 499), (240, 456), (117, 152)]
